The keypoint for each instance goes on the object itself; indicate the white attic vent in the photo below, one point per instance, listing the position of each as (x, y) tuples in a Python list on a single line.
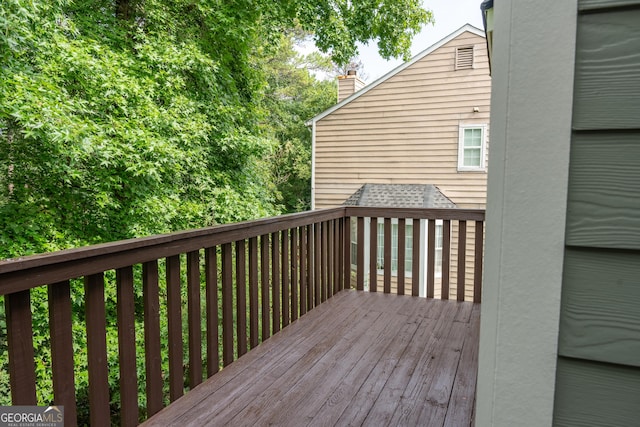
[(464, 58)]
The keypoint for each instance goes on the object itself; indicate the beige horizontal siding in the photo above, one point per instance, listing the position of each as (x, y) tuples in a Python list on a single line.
[(406, 130)]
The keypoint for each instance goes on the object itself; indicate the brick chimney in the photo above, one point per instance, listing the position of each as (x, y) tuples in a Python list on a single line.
[(349, 84)]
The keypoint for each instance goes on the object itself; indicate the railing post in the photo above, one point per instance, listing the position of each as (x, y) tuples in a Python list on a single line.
[(346, 245), (20, 342), (60, 328), (126, 347)]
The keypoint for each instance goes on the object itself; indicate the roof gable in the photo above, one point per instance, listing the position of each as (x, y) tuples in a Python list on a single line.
[(466, 28)]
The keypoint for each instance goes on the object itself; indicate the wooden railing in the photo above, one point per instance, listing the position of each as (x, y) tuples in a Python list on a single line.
[(242, 283)]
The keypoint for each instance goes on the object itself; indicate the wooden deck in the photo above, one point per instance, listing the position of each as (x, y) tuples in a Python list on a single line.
[(358, 359)]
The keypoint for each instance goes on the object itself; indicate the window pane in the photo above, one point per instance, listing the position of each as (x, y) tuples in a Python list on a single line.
[(473, 137), (408, 261), (394, 248), (472, 157), (380, 253)]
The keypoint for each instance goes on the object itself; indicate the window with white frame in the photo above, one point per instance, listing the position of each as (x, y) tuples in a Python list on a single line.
[(408, 248), (471, 147)]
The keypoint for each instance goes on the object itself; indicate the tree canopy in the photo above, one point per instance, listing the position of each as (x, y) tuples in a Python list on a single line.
[(121, 118)]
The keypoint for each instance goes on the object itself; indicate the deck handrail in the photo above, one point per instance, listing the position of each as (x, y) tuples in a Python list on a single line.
[(269, 272)]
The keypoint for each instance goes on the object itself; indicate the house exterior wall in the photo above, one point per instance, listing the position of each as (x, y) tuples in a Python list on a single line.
[(598, 375), (532, 95), (406, 130)]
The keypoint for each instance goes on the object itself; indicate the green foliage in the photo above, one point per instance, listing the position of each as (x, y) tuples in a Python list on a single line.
[(124, 118), (292, 97)]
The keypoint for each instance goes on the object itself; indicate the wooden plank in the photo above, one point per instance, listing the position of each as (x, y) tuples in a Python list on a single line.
[(461, 404), (285, 397), (227, 304), (211, 298), (387, 256), (99, 410), (153, 361), (193, 318), (603, 201), (595, 394), (607, 85), (295, 274), (415, 213), (275, 282), (287, 353), (417, 255), (62, 356), (352, 395), (446, 258), (126, 347), (373, 255), (328, 250), (431, 258), (334, 365), (477, 263), (600, 289), (402, 231), (254, 336), (462, 252), (428, 392), (174, 327), (360, 254), (285, 269), (241, 297), (20, 348), (264, 282)]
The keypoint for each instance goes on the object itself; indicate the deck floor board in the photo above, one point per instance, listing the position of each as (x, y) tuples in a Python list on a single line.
[(358, 359)]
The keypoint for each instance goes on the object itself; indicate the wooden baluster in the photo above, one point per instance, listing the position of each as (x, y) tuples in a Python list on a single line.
[(462, 251), (295, 274), (285, 279), (402, 229), (311, 276), (194, 318), (153, 360), (387, 255), (360, 261), (126, 347), (317, 264), (241, 297), (275, 281), (60, 331), (346, 244), (477, 270), (431, 257), (99, 411), (324, 263), (211, 295), (20, 346), (417, 256), (328, 249), (254, 338), (303, 270), (264, 279), (373, 255), (174, 327), (227, 304), (446, 257), (335, 250)]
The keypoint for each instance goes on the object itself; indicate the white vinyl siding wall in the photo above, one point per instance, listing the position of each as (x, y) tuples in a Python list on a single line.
[(406, 130)]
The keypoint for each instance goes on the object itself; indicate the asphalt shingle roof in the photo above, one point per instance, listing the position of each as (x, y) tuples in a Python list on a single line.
[(399, 196)]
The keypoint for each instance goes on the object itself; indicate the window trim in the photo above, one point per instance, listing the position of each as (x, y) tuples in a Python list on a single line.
[(483, 148)]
